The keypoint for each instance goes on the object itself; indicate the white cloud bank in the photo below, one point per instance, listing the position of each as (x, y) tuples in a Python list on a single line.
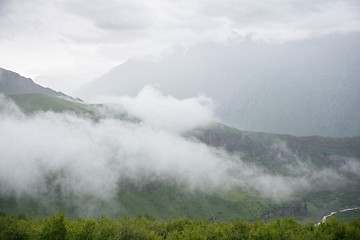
[(164, 112), (91, 157)]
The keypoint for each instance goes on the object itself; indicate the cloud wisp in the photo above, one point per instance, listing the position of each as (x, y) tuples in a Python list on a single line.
[(164, 112)]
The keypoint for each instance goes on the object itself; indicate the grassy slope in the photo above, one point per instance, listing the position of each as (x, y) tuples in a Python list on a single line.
[(161, 202), (171, 202), (257, 147), (33, 102)]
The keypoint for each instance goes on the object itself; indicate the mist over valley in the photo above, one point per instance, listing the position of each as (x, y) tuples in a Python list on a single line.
[(91, 159), (178, 117)]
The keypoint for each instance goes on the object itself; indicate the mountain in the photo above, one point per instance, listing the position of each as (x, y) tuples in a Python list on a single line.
[(13, 83), (308, 87), (277, 154)]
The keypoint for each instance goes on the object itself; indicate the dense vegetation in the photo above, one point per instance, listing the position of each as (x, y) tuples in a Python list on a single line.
[(146, 227)]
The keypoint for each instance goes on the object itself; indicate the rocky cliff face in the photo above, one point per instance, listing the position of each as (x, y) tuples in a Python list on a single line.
[(11, 82)]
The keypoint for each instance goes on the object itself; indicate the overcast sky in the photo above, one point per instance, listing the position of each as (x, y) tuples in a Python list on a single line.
[(65, 43)]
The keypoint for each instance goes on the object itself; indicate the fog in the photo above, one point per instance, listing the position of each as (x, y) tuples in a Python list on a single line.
[(89, 158), (298, 88)]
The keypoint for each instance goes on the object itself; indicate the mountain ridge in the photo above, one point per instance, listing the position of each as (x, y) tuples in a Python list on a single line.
[(12, 82)]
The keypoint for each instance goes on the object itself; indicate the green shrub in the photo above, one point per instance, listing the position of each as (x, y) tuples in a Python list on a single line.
[(15, 228), (81, 230), (54, 228)]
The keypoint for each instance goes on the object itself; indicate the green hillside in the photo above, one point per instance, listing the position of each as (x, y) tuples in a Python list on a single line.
[(33, 102), (162, 202), (273, 152)]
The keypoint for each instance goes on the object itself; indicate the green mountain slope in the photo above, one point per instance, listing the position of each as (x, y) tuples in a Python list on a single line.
[(273, 152), (33, 102), (266, 148)]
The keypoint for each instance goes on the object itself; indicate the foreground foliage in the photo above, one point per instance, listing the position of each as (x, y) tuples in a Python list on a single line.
[(146, 227)]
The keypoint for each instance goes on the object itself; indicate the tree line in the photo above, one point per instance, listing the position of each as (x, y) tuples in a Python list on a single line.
[(58, 227)]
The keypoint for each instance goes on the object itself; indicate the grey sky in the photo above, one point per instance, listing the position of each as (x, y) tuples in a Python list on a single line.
[(63, 43)]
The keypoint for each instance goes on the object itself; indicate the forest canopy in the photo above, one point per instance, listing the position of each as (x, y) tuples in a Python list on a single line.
[(57, 226)]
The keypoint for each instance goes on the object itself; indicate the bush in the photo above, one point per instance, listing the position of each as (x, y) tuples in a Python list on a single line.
[(15, 228), (54, 228)]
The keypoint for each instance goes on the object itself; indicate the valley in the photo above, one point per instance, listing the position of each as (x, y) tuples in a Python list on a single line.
[(277, 155)]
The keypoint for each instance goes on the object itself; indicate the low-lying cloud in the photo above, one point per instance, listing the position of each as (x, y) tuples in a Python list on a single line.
[(91, 157)]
